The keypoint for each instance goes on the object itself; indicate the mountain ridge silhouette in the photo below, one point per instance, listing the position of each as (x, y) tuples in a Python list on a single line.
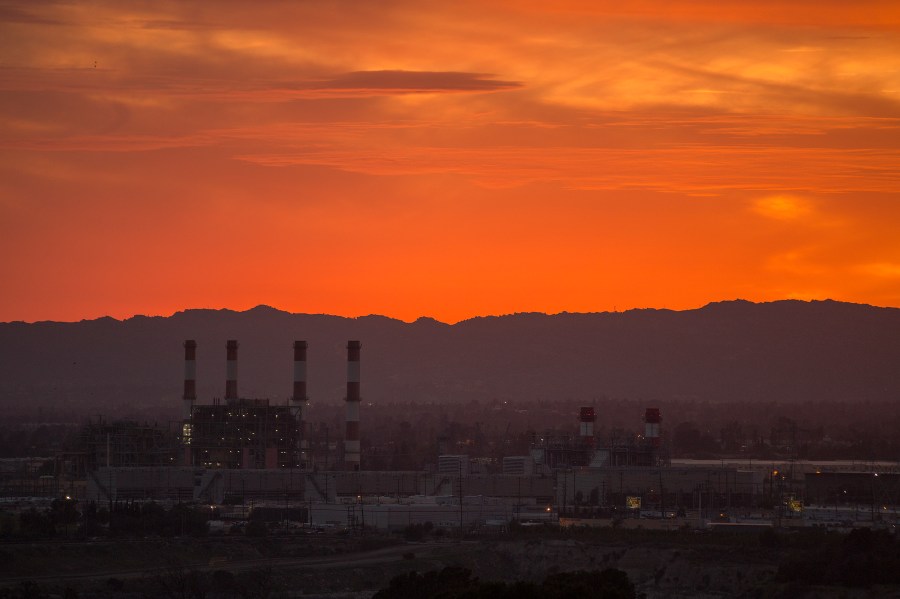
[(783, 351)]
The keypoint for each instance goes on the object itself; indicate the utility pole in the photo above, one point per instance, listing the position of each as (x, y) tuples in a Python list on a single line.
[(362, 513), (874, 478), (700, 506), (460, 500), (519, 501), (662, 496)]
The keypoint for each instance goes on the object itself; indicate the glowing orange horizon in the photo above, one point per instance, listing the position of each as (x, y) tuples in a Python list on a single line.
[(415, 159)]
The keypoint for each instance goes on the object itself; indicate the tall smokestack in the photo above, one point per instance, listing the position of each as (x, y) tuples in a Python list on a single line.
[(298, 400), (231, 369), (652, 420), (190, 378), (587, 416), (190, 395), (351, 441), (299, 396)]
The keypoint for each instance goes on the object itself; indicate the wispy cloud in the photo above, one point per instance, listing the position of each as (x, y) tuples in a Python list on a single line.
[(411, 82), (783, 207), (677, 170), (885, 270), (736, 148)]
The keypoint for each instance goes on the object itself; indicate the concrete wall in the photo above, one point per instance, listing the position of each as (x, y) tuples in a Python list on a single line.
[(399, 516)]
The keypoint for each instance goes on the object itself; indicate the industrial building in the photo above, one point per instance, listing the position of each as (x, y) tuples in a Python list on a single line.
[(118, 444), (246, 452), (878, 489), (222, 486), (453, 464), (557, 451), (518, 465), (239, 432), (244, 433), (660, 488), (236, 432)]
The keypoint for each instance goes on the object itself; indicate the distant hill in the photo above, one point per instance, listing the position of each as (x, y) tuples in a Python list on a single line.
[(784, 351)]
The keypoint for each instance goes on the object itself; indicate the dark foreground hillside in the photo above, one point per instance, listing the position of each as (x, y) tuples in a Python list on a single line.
[(526, 563)]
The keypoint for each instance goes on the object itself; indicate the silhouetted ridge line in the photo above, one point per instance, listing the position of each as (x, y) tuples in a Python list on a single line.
[(787, 351)]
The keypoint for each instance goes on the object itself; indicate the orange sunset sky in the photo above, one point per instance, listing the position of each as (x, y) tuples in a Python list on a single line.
[(448, 159)]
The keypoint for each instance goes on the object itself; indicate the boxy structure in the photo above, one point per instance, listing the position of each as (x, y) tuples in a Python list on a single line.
[(244, 433), (238, 432)]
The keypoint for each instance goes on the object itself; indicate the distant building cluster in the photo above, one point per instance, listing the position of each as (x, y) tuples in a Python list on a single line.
[(237, 451)]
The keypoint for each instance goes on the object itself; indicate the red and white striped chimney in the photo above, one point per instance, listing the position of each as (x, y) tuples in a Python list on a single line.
[(587, 416), (299, 396), (652, 420), (298, 399), (231, 372), (190, 378), (351, 441)]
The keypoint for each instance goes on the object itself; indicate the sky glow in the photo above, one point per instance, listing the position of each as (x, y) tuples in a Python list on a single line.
[(448, 159)]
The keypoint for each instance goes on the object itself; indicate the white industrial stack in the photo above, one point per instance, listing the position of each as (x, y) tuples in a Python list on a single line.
[(351, 440)]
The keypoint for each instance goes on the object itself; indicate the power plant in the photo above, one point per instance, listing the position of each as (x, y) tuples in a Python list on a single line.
[(247, 433), (562, 451), (252, 433), (236, 450), (237, 432)]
